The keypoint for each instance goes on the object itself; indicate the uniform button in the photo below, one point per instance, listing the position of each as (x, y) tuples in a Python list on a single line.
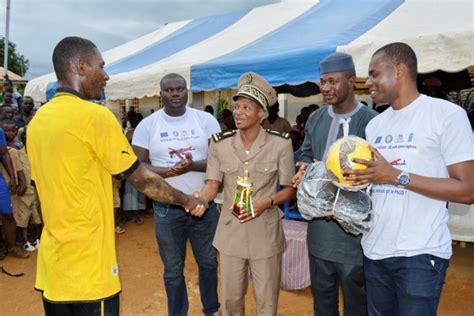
[(228, 169), (246, 162), (266, 169)]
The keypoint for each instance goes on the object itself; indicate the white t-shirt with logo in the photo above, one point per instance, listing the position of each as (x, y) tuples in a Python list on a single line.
[(422, 138), (169, 138)]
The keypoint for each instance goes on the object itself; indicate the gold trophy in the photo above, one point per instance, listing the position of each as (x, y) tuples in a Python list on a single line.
[(243, 197)]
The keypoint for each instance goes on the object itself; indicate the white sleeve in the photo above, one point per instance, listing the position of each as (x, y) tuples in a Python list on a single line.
[(457, 143), (141, 135), (212, 126)]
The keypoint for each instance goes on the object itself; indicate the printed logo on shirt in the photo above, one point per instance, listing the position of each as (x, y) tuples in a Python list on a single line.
[(399, 138), (398, 162), (388, 189), (115, 270), (181, 153), (125, 152), (164, 134)]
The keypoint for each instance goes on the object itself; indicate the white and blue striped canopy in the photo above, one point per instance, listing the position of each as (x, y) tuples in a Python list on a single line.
[(284, 42)]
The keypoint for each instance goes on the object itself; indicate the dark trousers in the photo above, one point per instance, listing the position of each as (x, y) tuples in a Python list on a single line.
[(326, 276), (173, 228), (106, 307), (408, 286)]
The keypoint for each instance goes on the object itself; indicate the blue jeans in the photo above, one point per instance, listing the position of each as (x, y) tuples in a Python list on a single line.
[(404, 285), (173, 228)]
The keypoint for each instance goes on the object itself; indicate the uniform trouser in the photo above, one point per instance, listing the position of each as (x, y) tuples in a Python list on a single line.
[(325, 279), (266, 275)]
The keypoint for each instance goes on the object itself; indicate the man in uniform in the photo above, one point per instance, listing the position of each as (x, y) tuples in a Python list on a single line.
[(75, 146), (251, 242), (335, 256)]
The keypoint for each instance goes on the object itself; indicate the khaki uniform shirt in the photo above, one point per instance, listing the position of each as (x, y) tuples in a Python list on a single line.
[(269, 161), (281, 125)]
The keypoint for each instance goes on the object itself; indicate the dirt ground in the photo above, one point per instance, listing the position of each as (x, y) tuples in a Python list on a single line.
[(143, 292)]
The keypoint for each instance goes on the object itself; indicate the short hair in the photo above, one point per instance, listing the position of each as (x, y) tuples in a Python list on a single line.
[(3, 108), (209, 109), (401, 53), (226, 113), (7, 122), (68, 49), (29, 98), (172, 76), (313, 107)]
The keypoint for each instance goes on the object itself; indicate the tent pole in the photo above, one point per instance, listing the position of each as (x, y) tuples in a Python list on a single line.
[(283, 101), (7, 31)]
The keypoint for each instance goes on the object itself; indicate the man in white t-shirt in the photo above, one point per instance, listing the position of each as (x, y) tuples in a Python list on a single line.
[(424, 156), (174, 143)]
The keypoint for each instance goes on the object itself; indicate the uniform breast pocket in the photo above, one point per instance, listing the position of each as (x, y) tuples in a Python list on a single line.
[(229, 169), (265, 172)]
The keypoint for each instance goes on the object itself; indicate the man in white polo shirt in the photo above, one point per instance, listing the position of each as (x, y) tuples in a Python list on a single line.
[(173, 142), (424, 156)]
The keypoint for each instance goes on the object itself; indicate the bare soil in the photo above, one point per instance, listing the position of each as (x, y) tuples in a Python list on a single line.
[(143, 291)]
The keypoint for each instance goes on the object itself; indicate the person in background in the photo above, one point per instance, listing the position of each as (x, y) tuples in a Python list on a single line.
[(312, 107), (75, 147), (228, 123), (16, 98), (133, 200), (274, 122), (7, 99), (296, 142), (7, 112), (408, 247), (26, 112), (24, 198), (209, 109), (6, 211)]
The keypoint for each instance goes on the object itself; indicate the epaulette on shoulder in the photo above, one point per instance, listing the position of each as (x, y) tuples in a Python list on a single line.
[(284, 135), (217, 137)]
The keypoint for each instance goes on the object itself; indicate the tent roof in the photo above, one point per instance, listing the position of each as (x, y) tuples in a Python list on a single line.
[(284, 42), (11, 75)]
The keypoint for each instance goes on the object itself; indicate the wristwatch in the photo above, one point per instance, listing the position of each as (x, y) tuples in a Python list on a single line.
[(403, 179)]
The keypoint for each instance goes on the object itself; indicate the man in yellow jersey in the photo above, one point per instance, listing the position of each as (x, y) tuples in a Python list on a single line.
[(75, 147)]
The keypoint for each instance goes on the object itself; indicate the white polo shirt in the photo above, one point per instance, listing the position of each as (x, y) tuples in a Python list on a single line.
[(169, 138), (422, 138)]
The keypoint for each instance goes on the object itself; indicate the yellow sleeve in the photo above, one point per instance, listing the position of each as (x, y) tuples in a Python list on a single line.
[(109, 143)]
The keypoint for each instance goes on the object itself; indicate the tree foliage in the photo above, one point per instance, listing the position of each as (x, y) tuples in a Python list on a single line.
[(16, 61)]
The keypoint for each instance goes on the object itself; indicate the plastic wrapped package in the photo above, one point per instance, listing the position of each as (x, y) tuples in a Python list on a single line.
[(353, 211), (319, 197), (316, 193)]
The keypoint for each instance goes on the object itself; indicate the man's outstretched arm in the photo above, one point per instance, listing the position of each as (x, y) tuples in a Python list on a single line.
[(156, 188)]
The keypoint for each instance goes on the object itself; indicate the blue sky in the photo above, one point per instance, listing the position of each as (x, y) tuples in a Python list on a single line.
[(37, 25)]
